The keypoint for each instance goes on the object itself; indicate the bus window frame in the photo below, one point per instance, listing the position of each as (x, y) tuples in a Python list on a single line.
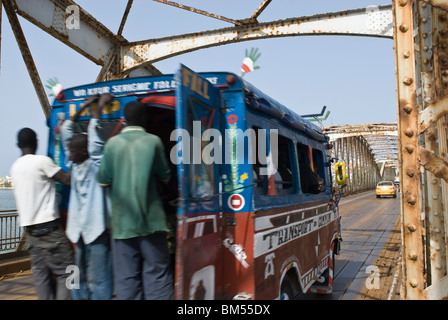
[(264, 201)]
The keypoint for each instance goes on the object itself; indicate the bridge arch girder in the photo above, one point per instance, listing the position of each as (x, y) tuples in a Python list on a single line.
[(375, 21)]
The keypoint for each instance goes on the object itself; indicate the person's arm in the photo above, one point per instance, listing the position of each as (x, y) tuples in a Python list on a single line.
[(102, 101), (88, 102), (67, 127), (161, 168), (96, 142), (52, 171), (104, 176), (63, 177)]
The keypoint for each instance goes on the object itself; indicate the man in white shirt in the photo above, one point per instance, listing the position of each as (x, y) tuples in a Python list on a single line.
[(51, 253)]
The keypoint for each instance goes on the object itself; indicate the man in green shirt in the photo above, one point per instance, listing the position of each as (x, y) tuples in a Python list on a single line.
[(131, 163)]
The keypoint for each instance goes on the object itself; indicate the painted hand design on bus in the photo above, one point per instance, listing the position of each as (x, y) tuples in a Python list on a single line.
[(249, 61), (54, 86)]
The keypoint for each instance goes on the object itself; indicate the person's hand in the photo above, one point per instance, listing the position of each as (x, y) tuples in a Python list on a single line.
[(88, 102), (105, 99), (102, 101)]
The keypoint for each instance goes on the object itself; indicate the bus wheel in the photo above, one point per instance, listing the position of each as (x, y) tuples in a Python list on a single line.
[(287, 290)]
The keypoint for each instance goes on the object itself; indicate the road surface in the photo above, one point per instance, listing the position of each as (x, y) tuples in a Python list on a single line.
[(370, 249)]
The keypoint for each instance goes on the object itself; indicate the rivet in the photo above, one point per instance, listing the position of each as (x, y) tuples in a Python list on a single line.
[(409, 132), (412, 227), (413, 283), (436, 230), (407, 108), (407, 81), (411, 200), (442, 17), (438, 266), (425, 61), (424, 20), (410, 172), (431, 137), (404, 28), (406, 54), (445, 73), (424, 36), (425, 48), (435, 197), (402, 3), (409, 148), (437, 248), (413, 256), (435, 214)]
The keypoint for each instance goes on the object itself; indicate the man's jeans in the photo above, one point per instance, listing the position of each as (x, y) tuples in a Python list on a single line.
[(95, 269), (51, 254), (142, 268)]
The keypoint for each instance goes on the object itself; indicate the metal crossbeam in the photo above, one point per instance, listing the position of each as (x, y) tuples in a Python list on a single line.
[(93, 40), (376, 22)]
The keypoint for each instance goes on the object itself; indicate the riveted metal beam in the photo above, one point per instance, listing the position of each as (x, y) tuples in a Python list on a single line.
[(125, 17), (432, 113), (412, 247), (91, 39), (198, 11), (434, 164), (431, 188), (260, 9), (438, 3), (375, 22)]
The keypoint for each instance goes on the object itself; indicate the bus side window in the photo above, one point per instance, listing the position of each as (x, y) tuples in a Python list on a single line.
[(319, 167), (309, 182), (258, 179), (284, 176)]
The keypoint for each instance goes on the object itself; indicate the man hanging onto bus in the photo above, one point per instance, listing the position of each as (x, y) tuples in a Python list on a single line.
[(131, 163), (88, 220)]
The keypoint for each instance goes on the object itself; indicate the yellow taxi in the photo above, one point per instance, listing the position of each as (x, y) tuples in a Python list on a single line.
[(385, 188)]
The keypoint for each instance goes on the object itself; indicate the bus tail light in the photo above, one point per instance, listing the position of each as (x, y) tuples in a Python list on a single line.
[(60, 97)]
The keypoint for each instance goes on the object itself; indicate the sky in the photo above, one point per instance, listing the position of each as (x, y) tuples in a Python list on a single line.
[(353, 76)]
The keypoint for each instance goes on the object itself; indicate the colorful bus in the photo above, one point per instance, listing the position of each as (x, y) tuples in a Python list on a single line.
[(252, 207)]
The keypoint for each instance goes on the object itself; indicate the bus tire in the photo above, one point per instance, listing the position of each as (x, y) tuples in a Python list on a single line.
[(287, 289)]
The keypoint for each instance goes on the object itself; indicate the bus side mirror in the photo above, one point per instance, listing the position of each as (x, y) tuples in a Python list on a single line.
[(341, 176)]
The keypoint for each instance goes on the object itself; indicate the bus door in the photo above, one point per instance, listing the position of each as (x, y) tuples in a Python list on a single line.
[(198, 156)]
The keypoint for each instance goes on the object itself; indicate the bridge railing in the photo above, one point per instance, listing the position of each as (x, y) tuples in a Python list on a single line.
[(11, 233)]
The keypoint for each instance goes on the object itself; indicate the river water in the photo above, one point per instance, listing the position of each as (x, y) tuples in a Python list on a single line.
[(7, 201)]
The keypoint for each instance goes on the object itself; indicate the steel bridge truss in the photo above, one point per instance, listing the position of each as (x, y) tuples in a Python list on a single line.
[(370, 152), (420, 32), (421, 53)]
